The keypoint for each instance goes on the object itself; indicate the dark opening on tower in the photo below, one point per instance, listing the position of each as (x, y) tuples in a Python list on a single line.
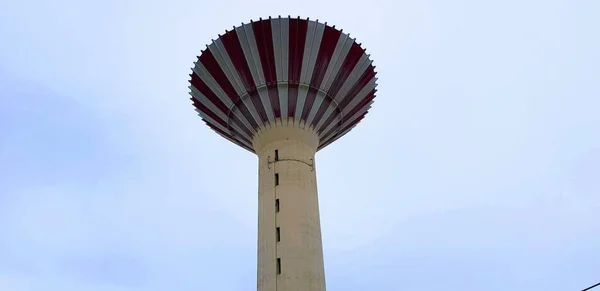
[(278, 266)]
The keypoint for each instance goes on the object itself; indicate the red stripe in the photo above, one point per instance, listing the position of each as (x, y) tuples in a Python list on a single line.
[(297, 34), (334, 115), (274, 98), (363, 103), (364, 79), (358, 107), (354, 55), (212, 66), (329, 140), (234, 118), (308, 102), (264, 42), (326, 138), (246, 113), (233, 47), (216, 118), (297, 38), (214, 99), (292, 99), (324, 105), (327, 47), (235, 139), (256, 100), (240, 124), (207, 111), (206, 91)]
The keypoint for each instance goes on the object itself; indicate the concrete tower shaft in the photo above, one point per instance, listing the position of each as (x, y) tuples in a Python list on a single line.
[(290, 252)]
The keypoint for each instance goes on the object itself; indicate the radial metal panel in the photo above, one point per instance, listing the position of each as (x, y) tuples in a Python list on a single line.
[(283, 68)]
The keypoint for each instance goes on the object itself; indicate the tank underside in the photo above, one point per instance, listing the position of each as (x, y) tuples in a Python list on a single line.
[(283, 70)]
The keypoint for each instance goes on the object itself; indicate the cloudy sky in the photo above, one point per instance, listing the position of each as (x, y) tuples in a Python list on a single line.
[(478, 167)]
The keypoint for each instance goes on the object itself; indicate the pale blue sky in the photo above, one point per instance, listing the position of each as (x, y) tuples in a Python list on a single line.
[(478, 167)]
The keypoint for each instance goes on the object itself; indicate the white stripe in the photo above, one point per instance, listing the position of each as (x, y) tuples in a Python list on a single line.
[(266, 102), (231, 140), (330, 109), (357, 99), (358, 113), (281, 45), (314, 36), (340, 52), (359, 69), (212, 84), (285, 48), (317, 103), (210, 81), (220, 54), (253, 59), (283, 99), (331, 140), (336, 137), (337, 59), (352, 118), (302, 92), (351, 80), (208, 119), (250, 105), (206, 102), (248, 43), (328, 128), (310, 33), (276, 36), (360, 96), (234, 75), (217, 125)]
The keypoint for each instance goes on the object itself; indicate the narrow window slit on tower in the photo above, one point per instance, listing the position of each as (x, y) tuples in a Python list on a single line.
[(276, 205), (278, 265), (277, 155), (276, 179), (278, 234)]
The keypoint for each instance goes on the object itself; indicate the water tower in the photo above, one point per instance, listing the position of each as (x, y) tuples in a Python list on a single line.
[(284, 88)]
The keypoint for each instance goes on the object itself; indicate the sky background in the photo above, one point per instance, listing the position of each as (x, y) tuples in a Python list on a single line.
[(478, 167)]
